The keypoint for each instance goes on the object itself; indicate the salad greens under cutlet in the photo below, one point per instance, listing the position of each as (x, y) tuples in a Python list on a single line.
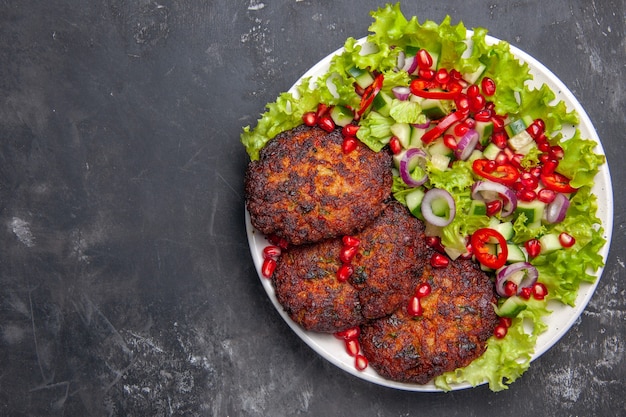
[(390, 34)]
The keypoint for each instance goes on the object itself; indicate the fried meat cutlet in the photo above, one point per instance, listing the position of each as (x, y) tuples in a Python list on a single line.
[(458, 318), (304, 188)]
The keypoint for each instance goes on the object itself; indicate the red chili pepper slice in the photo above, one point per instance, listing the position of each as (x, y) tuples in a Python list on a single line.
[(443, 125), (556, 182), (370, 93), (479, 241), (421, 88), (504, 174)]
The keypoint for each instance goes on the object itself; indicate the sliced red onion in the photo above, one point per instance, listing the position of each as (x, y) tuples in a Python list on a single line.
[(424, 125), (466, 145), (556, 210), (489, 191), (427, 208), (401, 58), (407, 163), (527, 272), (401, 92), (410, 64)]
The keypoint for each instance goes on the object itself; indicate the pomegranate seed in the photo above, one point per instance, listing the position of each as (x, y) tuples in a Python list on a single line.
[(438, 260), (498, 123), (360, 362), (539, 291), (526, 292), (546, 196), (350, 240), (541, 124), (470, 123), (556, 152), (473, 91), (349, 144), (426, 74), (395, 145), (352, 347), (271, 251), (309, 118), (344, 272), (424, 59), (534, 130), (510, 288), (460, 129), (483, 116), (469, 252), (415, 307), (549, 166), (442, 76), (423, 290), (269, 265), (533, 247), (477, 103), (526, 194), (529, 181), (326, 123), (501, 158), (494, 207), (455, 74), (322, 110), (566, 240), (435, 243), (462, 102), (500, 331), (347, 253), (499, 139), (535, 172), (490, 167), (518, 186), (505, 321), (349, 334), (488, 86), (349, 130), (450, 141), (543, 145)]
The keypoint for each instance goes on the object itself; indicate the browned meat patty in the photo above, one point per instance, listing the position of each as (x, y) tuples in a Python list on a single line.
[(305, 189), (386, 266), (458, 318)]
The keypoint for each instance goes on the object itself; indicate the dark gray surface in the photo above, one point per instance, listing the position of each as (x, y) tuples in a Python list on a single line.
[(126, 284)]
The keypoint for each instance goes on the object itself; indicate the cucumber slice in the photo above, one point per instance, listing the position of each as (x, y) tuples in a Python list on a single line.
[(505, 229), (416, 137), (533, 211), (382, 103), (435, 109), (516, 254), (440, 162), (478, 208), (521, 142), (550, 242), (438, 147), (516, 126), (362, 77), (414, 202), (491, 151), (484, 130), (403, 132), (341, 115), (511, 307)]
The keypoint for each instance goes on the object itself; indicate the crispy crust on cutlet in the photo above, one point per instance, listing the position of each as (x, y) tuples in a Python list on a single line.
[(305, 189), (458, 319), (388, 261)]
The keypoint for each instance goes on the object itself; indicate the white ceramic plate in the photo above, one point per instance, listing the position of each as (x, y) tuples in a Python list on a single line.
[(562, 318)]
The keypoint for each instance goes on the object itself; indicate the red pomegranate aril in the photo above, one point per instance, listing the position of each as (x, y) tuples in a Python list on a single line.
[(483, 116), (462, 102), (488, 86), (493, 207), (455, 74), (541, 124), (442, 76), (309, 118), (500, 331), (349, 334), (414, 308), (539, 291), (498, 123), (502, 158), (566, 240), (546, 196), (424, 59), (529, 181), (533, 247), (473, 91), (352, 347), (526, 293), (470, 123), (271, 251), (395, 145), (450, 141), (268, 267), (435, 243), (322, 110), (499, 139), (526, 194), (344, 272), (533, 130), (505, 321), (549, 166), (460, 129), (350, 240), (347, 253), (360, 362), (426, 74), (423, 290), (535, 172), (326, 123), (510, 288), (477, 103), (349, 144), (556, 152), (438, 260), (543, 146), (349, 130)]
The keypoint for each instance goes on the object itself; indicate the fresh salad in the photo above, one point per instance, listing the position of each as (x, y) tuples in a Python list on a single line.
[(479, 157)]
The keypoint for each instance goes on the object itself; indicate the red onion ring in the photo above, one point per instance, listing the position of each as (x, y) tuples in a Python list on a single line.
[(427, 209), (509, 203), (530, 276), (466, 145), (410, 64), (556, 210), (401, 93), (424, 125), (410, 157)]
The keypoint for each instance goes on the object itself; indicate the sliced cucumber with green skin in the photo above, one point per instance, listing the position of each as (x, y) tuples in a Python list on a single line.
[(472, 77), (435, 109), (440, 162), (414, 202), (511, 307), (491, 151), (403, 132), (416, 137), (362, 77), (484, 130), (342, 116), (382, 103), (505, 229), (533, 211), (550, 242), (515, 254), (518, 125), (438, 147), (522, 142), (478, 208)]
